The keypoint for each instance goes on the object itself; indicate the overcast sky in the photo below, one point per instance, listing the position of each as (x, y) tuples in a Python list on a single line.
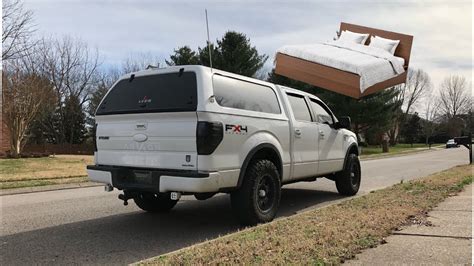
[(442, 30)]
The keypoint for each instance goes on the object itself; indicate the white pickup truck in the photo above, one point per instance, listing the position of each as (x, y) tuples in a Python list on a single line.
[(192, 130)]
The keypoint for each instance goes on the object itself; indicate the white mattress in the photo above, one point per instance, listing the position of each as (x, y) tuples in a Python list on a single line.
[(401, 60), (373, 65)]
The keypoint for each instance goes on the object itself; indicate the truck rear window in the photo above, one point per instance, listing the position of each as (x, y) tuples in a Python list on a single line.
[(171, 92)]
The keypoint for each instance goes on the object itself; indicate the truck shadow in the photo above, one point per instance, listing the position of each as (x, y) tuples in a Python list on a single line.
[(127, 238)]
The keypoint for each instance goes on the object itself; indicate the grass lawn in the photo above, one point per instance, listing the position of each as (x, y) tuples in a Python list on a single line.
[(59, 169), (329, 235), (399, 148)]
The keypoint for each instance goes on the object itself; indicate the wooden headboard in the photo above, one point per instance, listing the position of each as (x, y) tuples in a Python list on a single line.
[(404, 47)]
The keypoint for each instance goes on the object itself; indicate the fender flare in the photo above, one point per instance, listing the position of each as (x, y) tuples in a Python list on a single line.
[(251, 154), (352, 146)]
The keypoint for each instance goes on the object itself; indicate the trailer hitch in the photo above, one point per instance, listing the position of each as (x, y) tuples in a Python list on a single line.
[(125, 197)]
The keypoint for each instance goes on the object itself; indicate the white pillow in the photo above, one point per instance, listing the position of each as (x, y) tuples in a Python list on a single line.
[(349, 36), (384, 44)]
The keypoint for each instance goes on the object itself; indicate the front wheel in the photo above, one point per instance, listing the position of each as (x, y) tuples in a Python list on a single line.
[(257, 200), (154, 202), (348, 180)]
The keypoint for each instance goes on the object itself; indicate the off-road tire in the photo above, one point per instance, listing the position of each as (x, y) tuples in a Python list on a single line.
[(249, 204), (153, 202), (348, 180)]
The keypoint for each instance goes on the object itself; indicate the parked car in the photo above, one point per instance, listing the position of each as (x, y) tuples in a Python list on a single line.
[(451, 144), (192, 130)]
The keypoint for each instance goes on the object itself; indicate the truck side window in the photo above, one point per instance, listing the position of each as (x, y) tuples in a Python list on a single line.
[(300, 108), (322, 116)]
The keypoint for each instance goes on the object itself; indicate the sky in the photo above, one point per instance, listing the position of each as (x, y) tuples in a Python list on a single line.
[(442, 30)]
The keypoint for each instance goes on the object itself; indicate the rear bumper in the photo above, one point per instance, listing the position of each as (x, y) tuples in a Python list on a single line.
[(451, 146), (155, 180)]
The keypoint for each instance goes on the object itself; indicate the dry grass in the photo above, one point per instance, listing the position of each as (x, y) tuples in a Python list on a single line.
[(59, 166), (374, 152), (330, 235)]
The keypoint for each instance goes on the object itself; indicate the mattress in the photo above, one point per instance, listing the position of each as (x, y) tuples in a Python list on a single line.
[(373, 65)]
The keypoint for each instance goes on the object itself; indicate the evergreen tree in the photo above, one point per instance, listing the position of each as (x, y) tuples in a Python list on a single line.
[(74, 121), (233, 53), (372, 115), (96, 98), (282, 80), (94, 102), (411, 129), (204, 55), (183, 56), (39, 130)]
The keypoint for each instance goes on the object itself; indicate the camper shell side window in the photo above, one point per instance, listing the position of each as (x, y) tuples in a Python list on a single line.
[(239, 94)]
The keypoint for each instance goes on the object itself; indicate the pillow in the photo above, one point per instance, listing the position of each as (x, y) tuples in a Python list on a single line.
[(349, 36), (384, 44)]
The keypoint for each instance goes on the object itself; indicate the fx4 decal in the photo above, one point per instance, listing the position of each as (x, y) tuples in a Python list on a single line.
[(236, 129)]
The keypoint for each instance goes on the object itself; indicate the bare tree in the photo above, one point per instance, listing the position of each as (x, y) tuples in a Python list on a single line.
[(139, 61), (410, 93), (70, 65), (23, 95), (72, 68), (430, 116), (17, 28), (454, 98), (417, 86)]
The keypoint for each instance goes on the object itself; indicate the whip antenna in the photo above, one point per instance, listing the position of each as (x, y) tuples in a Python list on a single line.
[(208, 42)]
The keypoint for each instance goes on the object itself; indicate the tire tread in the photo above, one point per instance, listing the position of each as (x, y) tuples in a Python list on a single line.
[(242, 202)]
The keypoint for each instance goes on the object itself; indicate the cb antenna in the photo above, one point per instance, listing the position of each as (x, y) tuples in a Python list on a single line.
[(208, 42)]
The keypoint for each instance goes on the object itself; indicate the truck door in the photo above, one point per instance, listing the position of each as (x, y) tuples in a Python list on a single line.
[(331, 145), (304, 137)]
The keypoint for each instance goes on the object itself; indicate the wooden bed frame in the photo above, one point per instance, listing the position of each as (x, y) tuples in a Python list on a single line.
[(338, 80)]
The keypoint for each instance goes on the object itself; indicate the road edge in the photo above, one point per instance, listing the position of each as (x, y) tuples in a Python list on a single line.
[(27, 190)]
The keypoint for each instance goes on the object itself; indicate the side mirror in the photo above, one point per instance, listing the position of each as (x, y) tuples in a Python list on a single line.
[(344, 122)]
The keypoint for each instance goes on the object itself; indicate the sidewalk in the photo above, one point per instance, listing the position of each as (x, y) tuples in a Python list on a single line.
[(446, 241)]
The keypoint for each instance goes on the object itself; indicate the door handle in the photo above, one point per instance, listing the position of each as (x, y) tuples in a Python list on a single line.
[(298, 132), (321, 133)]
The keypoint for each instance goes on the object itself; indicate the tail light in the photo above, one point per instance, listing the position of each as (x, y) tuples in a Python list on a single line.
[(208, 136)]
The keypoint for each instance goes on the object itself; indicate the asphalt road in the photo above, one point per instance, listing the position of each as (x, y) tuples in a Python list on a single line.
[(90, 226)]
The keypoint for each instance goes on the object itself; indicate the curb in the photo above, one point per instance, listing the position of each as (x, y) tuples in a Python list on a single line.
[(27, 190), (385, 156)]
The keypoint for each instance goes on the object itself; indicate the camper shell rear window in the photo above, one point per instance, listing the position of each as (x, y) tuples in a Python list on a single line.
[(170, 92)]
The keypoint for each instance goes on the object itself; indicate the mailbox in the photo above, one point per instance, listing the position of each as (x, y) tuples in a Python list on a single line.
[(465, 140)]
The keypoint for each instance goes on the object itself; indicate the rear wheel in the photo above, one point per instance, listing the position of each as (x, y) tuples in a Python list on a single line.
[(348, 180), (258, 198), (155, 202)]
